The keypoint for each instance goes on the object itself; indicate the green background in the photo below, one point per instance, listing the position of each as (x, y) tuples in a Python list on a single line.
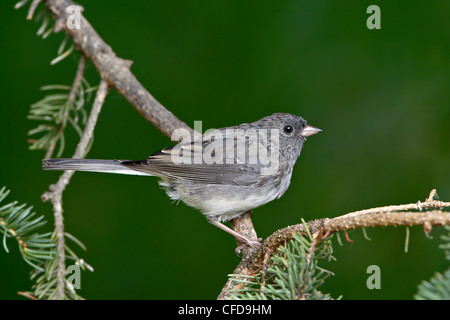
[(381, 97)]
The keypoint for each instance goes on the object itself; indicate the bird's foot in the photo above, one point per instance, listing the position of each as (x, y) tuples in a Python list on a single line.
[(245, 242)]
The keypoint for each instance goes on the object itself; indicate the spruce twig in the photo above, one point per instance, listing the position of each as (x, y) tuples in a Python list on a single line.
[(292, 274), (56, 190), (19, 222), (438, 287), (57, 109)]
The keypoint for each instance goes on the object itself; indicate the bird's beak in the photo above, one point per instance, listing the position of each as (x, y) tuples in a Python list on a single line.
[(309, 131)]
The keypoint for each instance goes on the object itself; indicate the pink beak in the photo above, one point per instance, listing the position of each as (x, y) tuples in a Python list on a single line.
[(309, 131)]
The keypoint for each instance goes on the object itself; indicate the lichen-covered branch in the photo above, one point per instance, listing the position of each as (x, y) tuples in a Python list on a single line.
[(376, 217)]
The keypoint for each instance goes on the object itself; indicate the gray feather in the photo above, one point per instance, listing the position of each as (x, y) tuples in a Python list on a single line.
[(91, 165)]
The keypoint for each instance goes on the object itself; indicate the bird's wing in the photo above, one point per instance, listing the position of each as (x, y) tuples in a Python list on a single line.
[(208, 161)]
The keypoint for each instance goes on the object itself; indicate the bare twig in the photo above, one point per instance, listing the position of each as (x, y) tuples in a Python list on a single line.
[(78, 79), (244, 226), (429, 203), (92, 120), (316, 237), (56, 190)]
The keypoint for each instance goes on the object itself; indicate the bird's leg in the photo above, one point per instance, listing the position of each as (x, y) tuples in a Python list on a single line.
[(246, 241)]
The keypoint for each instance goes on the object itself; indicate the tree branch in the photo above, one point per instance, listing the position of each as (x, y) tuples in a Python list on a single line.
[(244, 226), (33, 7), (114, 70), (383, 216), (56, 190)]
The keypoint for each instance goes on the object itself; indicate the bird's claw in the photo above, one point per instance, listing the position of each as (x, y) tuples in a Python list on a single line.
[(254, 244)]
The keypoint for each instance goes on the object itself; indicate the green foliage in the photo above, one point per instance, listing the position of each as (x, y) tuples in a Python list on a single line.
[(293, 273), (446, 243), (47, 25), (55, 110), (20, 223), (62, 106), (438, 287), (45, 281), (38, 250)]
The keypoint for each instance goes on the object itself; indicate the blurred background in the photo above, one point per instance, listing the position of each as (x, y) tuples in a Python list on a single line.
[(380, 96)]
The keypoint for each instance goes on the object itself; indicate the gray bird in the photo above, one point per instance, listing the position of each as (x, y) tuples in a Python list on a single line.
[(224, 173)]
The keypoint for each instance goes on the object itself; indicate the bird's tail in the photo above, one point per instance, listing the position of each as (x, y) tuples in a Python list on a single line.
[(109, 166)]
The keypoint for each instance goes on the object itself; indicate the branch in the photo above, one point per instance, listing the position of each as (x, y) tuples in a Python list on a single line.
[(56, 190), (383, 216), (244, 226), (114, 70)]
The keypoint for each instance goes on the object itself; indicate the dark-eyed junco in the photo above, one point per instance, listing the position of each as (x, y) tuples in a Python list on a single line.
[(223, 174)]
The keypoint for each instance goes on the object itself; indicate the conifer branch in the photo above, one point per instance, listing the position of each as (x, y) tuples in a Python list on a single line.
[(438, 287), (58, 109), (71, 99), (38, 250), (384, 216), (292, 273), (56, 190), (32, 8), (20, 223)]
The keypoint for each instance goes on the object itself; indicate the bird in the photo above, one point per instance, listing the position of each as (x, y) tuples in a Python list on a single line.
[(224, 172)]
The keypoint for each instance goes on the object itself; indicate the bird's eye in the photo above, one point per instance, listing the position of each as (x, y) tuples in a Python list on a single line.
[(288, 129)]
